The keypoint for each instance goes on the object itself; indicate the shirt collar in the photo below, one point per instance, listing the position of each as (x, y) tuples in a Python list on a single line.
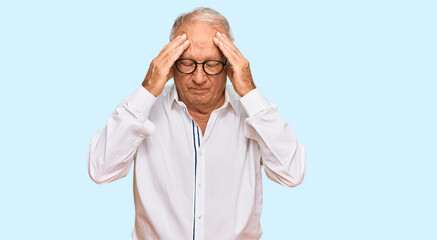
[(230, 97)]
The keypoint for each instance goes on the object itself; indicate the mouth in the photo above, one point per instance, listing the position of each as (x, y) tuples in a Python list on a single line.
[(198, 90)]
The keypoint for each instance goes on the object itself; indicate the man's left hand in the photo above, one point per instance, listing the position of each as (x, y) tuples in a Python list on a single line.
[(238, 66)]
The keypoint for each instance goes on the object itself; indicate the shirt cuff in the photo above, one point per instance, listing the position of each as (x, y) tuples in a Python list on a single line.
[(254, 102), (140, 103)]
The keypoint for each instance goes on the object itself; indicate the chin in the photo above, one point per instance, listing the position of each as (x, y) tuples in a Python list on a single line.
[(199, 99)]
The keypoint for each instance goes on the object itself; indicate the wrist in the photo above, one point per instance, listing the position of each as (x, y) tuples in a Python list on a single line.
[(245, 90), (151, 89)]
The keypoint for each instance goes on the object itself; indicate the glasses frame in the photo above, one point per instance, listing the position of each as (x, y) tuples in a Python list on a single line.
[(203, 65)]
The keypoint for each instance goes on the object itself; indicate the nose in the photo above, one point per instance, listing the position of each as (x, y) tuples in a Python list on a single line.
[(199, 76)]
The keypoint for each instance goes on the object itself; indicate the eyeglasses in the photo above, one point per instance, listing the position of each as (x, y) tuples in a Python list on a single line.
[(210, 67)]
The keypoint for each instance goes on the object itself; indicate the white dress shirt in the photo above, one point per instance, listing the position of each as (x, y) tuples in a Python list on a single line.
[(193, 186)]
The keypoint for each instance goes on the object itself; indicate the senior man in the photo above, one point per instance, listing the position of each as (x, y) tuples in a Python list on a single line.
[(198, 145)]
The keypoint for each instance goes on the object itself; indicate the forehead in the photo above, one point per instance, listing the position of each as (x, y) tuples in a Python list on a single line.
[(201, 35)]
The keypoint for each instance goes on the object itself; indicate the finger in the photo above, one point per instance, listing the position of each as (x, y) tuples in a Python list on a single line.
[(238, 58), (165, 60), (225, 49), (174, 55), (175, 42), (228, 43), (230, 55), (168, 56), (170, 47)]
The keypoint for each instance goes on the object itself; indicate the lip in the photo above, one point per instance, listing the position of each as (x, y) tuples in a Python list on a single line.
[(198, 90)]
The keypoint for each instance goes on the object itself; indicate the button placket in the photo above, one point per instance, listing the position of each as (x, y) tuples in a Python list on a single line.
[(200, 204)]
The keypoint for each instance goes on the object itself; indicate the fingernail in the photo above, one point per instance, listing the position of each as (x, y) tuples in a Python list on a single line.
[(215, 39), (184, 35), (186, 41), (178, 36)]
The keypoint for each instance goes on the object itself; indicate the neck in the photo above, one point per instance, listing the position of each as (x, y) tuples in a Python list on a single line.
[(201, 113)]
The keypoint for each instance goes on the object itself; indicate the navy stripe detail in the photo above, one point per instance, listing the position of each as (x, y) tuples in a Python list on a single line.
[(195, 174), (198, 138)]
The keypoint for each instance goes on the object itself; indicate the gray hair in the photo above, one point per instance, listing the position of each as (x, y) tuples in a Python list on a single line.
[(205, 15)]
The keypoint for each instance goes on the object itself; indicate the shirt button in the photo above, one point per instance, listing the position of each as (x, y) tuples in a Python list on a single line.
[(200, 153), (200, 216), (200, 184)]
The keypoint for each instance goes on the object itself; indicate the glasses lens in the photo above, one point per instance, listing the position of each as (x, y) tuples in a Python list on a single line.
[(213, 67), (185, 65)]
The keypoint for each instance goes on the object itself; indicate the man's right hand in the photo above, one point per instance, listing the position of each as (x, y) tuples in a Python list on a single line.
[(160, 67)]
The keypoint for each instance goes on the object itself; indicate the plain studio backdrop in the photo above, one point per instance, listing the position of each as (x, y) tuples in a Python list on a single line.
[(355, 79)]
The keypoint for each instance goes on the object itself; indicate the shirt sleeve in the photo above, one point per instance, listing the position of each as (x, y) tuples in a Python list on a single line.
[(112, 150), (282, 156)]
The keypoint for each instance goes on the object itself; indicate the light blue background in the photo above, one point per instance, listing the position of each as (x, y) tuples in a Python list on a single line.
[(355, 79)]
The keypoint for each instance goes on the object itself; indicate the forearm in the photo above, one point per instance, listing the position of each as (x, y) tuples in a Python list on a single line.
[(112, 149), (283, 157)]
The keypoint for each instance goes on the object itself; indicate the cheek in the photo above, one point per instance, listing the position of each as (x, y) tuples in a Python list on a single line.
[(181, 82), (220, 84)]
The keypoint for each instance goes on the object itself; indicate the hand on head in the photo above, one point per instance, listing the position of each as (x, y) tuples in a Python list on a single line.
[(160, 72), (238, 69), (160, 68)]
